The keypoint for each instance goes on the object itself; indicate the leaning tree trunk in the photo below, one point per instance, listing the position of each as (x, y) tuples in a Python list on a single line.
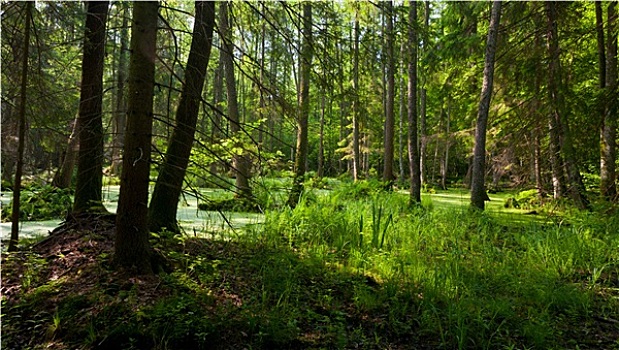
[(240, 162), (608, 131), (413, 129), (132, 248), (478, 190), (22, 134), (388, 176), (164, 202), (304, 106), (576, 188), (62, 178), (90, 122)]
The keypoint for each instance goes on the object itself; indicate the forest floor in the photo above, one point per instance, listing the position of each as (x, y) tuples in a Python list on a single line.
[(271, 290)]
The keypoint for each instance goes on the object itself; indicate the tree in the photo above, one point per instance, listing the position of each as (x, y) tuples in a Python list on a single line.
[(558, 116), (608, 132), (413, 129), (132, 249), (355, 101), (389, 106), (90, 122), (22, 132), (120, 113), (304, 107), (240, 161), (478, 190), (165, 197), (62, 178)]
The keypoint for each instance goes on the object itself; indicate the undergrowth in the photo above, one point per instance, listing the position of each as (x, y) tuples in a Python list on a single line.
[(344, 273)]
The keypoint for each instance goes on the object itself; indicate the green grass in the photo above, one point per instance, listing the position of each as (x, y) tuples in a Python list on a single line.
[(357, 267)]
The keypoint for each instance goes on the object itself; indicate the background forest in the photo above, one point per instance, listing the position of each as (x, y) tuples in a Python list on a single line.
[(365, 138)]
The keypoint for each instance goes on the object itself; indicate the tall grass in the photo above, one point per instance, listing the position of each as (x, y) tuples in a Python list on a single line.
[(468, 280)]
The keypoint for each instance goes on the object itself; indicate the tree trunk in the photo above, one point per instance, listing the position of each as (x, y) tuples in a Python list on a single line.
[(356, 154), (240, 162), (413, 128), (422, 123), (22, 134), (217, 130), (389, 104), (164, 202), (304, 106), (478, 190), (120, 112), (132, 248), (608, 131), (576, 188), (445, 163), (321, 147), (402, 113), (62, 178), (90, 122)]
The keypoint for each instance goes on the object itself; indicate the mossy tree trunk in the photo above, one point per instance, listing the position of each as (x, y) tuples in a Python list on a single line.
[(90, 122), (132, 248), (164, 202)]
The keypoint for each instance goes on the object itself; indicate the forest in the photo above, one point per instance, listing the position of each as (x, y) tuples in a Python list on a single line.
[(309, 175)]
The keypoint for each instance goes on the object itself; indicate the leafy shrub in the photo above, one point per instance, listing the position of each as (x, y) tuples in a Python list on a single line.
[(41, 203), (360, 189)]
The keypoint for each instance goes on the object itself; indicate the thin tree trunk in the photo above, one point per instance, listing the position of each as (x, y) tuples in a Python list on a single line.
[(120, 113), (321, 148), (478, 190), (22, 134), (402, 113), (537, 163), (132, 248), (576, 187), (356, 154), (445, 164), (608, 131), (165, 197), (413, 128), (422, 123), (62, 178), (240, 162), (389, 104), (90, 121), (304, 106), (217, 130)]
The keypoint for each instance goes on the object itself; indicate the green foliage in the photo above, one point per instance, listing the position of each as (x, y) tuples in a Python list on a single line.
[(41, 203)]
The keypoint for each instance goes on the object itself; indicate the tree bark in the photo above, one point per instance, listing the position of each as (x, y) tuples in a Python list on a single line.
[(164, 202), (62, 178), (90, 121), (120, 112), (356, 154), (576, 188), (413, 128), (19, 166), (422, 123), (132, 248), (240, 162), (389, 104), (608, 131), (478, 190), (304, 106)]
